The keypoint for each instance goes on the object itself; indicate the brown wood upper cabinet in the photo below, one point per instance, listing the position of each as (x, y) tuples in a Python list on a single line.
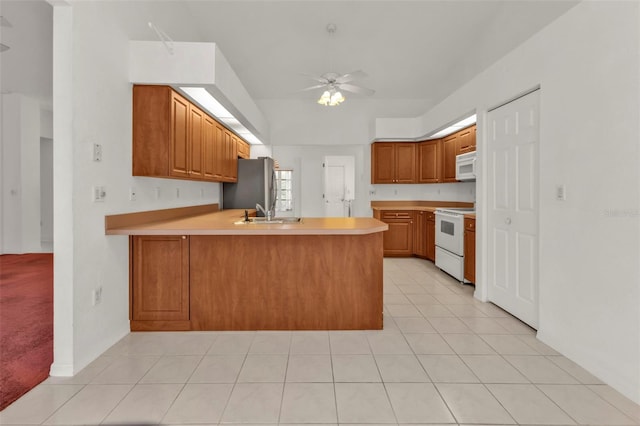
[(393, 162), (449, 152), (430, 161), (467, 140), (453, 145), (173, 138), (429, 164), (244, 149)]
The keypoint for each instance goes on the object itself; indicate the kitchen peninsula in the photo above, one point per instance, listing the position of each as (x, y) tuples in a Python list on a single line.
[(197, 268)]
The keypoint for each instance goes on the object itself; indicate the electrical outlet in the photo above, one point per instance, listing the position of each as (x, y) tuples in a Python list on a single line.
[(99, 194), (132, 194), (97, 296), (177, 192), (561, 194), (97, 152), (201, 192)]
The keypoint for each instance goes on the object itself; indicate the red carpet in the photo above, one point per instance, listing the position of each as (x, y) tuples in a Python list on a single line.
[(26, 323)]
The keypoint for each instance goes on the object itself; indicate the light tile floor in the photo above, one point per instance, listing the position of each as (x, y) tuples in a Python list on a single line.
[(442, 358)]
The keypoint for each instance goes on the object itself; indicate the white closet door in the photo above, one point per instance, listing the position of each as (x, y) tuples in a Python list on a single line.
[(513, 207)]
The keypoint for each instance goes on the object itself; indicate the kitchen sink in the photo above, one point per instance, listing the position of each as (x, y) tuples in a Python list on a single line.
[(273, 221)]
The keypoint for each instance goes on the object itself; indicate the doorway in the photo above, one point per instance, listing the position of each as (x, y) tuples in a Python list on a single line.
[(339, 186), (512, 164)]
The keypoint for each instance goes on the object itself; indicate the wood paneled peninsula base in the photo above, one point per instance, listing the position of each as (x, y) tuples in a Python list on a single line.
[(323, 274)]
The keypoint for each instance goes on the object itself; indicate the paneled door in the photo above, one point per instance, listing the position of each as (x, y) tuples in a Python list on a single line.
[(339, 186), (513, 135)]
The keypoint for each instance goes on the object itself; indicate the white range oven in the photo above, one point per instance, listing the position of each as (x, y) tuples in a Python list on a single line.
[(450, 240)]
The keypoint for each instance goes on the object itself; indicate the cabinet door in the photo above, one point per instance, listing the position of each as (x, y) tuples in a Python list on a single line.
[(429, 162), (449, 152), (405, 156), (196, 140), (470, 249), (382, 163), (466, 140), (474, 134), (220, 150), (431, 237), (233, 159), (160, 278), (420, 235), (398, 239), (243, 149), (226, 157), (209, 148), (470, 256), (179, 153)]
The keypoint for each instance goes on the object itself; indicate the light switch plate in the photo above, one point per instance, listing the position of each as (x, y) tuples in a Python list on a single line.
[(561, 194), (97, 152), (99, 193)]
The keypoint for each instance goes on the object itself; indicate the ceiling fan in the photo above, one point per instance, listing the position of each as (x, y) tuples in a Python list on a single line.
[(332, 80), (334, 83)]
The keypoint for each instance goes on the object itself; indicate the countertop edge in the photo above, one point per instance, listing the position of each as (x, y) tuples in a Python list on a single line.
[(264, 230)]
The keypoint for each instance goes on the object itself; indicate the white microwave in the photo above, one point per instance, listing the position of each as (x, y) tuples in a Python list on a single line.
[(466, 166)]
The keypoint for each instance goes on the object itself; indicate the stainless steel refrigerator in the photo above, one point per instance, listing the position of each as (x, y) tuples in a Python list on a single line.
[(256, 185)]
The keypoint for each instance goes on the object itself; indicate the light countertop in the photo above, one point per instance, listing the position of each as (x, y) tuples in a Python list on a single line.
[(224, 223)]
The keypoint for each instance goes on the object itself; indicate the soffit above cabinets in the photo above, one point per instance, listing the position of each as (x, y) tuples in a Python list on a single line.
[(203, 67)]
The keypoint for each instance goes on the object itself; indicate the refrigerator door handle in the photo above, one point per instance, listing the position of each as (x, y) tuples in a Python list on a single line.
[(274, 190)]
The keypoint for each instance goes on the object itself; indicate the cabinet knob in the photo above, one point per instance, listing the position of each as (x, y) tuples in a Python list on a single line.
[(508, 221), (184, 237)]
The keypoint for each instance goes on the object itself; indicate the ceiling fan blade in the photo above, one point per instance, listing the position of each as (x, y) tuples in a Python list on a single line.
[(357, 89), (316, 78), (313, 87), (350, 76)]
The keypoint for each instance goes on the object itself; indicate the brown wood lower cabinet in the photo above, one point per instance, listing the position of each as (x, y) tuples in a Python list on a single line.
[(398, 239), (294, 282), (470, 249), (256, 282), (159, 282), (424, 241), (420, 234), (430, 229)]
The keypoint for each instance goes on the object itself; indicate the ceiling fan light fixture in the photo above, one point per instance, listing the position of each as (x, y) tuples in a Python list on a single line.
[(331, 98)]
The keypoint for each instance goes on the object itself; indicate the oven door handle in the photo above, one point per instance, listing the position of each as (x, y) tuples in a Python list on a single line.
[(446, 214)]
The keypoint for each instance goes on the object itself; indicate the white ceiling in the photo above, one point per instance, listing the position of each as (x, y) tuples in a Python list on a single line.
[(409, 49)]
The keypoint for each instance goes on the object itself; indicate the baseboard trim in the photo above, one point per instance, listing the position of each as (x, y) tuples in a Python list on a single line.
[(61, 370)]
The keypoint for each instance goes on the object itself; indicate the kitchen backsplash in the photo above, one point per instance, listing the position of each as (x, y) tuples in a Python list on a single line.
[(459, 191)]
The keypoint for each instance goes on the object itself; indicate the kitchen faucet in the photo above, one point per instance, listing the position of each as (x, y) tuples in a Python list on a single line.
[(267, 213)]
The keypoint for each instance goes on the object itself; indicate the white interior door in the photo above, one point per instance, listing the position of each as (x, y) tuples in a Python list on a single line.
[(339, 186), (513, 207)]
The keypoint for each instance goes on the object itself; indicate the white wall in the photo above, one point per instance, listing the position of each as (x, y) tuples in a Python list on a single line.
[(587, 65), (92, 100), (20, 219)]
